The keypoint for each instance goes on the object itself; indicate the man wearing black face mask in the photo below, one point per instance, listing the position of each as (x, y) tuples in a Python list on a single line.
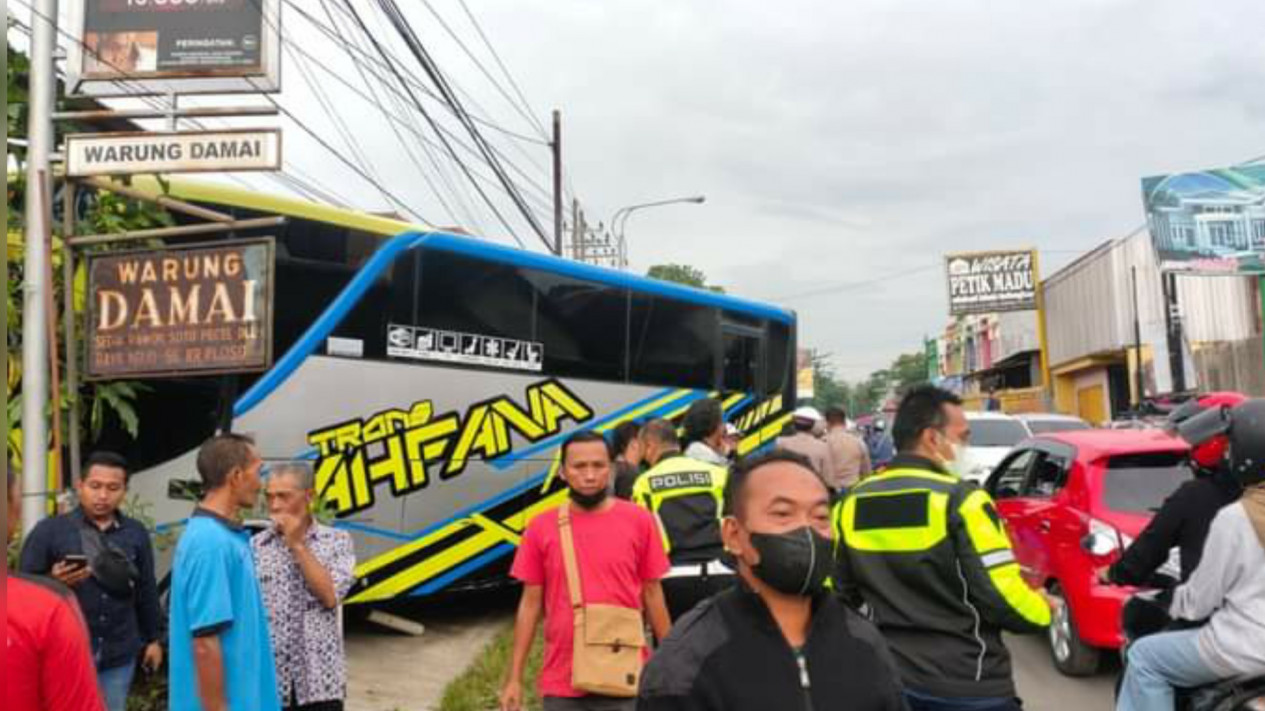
[(779, 640), (617, 554)]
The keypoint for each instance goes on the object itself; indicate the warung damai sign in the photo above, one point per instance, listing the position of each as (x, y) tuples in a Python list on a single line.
[(184, 152), (195, 309), (986, 282), (181, 46)]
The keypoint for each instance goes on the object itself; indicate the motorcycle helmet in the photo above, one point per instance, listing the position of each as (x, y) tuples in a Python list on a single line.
[(1247, 442), (1208, 450)]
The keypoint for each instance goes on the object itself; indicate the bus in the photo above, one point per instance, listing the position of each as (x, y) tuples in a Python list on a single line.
[(429, 379)]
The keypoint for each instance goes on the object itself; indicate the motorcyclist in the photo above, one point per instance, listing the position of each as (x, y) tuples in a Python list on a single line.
[(1183, 520), (1228, 587)]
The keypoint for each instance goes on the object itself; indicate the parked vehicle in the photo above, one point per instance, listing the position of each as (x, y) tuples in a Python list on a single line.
[(1046, 422), (993, 435), (1072, 502)]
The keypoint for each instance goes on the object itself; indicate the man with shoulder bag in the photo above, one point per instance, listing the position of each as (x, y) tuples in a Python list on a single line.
[(592, 568)]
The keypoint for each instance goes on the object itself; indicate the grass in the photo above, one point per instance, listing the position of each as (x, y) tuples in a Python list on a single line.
[(479, 686)]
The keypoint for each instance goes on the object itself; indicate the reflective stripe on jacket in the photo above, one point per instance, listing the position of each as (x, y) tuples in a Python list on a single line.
[(930, 555), (686, 495)]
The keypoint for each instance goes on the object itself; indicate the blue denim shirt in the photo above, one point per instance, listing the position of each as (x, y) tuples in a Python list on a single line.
[(120, 627)]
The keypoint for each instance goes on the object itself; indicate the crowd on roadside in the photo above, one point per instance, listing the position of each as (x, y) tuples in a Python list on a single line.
[(795, 578), (252, 620)]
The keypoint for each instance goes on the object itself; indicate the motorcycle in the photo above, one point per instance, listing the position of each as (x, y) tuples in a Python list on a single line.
[(1147, 613)]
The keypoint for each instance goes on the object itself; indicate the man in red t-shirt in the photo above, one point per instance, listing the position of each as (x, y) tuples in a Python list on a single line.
[(619, 553), (47, 663)]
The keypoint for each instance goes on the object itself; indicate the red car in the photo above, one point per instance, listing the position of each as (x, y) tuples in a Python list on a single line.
[(1072, 501)]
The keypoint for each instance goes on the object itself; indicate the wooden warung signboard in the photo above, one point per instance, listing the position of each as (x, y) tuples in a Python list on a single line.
[(180, 152), (188, 310)]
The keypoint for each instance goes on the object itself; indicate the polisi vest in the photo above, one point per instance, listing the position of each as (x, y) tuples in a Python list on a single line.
[(931, 556), (686, 495)]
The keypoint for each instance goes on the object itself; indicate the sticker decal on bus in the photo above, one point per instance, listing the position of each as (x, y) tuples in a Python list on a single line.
[(431, 344), (416, 444)]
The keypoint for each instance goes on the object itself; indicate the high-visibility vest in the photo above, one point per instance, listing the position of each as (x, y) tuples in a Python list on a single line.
[(687, 496)]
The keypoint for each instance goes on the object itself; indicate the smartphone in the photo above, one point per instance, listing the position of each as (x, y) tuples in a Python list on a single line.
[(75, 560)]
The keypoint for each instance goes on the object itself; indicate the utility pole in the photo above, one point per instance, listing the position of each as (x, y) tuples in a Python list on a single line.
[(35, 395), (1173, 320), (1139, 381), (556, 146)]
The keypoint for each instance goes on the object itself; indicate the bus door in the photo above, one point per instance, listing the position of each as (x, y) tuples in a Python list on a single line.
[(742, 362)]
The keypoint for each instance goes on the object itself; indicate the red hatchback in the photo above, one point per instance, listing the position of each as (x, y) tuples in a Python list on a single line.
[(1072, 501)]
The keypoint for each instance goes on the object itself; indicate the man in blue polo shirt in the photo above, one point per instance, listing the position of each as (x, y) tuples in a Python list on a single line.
[(221, 652)]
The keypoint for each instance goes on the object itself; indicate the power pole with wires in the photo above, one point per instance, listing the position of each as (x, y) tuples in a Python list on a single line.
[(35, 370), (556, 147)]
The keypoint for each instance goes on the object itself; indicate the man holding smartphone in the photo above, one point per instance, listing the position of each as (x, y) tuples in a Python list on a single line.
[(108, 560)]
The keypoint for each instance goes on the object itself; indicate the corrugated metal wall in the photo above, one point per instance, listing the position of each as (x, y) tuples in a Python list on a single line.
[(1089, 307)]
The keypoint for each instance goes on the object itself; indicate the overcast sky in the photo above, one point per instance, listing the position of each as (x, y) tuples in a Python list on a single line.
[(838, 143)]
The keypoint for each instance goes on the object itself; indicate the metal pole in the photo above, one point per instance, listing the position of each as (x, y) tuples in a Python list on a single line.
[(50, 312), (1047, 385), (556, 146), (68, 326), (1139, 382), (43, 83), (1173, 319)]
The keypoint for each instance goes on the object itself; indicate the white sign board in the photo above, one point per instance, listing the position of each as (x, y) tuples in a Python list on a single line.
[(463, 348), (182, 152), (987, 282)]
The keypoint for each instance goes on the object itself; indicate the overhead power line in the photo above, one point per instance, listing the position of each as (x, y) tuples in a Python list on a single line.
[(531, 113)]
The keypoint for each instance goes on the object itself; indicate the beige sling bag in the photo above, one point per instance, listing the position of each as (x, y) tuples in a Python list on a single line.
[(606, 657)]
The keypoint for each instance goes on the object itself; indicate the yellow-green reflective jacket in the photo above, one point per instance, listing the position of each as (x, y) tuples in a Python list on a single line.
[(930, 555), (686, 495)]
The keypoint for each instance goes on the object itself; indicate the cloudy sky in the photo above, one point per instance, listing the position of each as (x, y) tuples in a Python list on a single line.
[(843, 147)]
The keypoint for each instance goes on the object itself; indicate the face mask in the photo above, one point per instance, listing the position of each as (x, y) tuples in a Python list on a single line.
[(957, 464), (589, 501), (793, 563)]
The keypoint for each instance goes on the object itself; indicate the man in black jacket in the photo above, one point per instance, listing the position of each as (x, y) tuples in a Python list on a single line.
[(1185, 517), (778, 640)]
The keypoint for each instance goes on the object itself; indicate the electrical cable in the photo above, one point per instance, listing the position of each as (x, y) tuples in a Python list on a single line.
[(429, 119), (497, 57), (392, 11)]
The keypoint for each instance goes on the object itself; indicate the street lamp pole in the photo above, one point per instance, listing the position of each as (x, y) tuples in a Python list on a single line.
[(620, 220)]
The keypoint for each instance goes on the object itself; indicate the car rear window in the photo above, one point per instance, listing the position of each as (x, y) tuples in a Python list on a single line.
[(1046, 426), (1139, 483), (996, 433)]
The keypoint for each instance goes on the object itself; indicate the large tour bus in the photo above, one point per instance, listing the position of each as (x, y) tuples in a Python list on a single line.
[(430, 378)]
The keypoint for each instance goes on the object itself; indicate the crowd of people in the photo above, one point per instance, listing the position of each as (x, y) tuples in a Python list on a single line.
[(252, 621), (801, 577)]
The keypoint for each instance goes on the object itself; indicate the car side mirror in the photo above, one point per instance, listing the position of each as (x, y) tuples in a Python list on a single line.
[(1099, 544)]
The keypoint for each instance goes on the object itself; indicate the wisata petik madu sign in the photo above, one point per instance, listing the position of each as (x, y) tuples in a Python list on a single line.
[(187, 310)]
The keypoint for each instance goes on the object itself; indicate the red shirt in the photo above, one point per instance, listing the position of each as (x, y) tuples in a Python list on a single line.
[(618, 551), (47, 660)]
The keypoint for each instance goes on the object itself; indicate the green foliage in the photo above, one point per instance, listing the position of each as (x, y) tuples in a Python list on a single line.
[(682, 274), (100, 401), (869, 395), (479, 687)]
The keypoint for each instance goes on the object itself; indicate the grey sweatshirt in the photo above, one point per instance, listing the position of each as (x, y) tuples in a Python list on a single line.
[(1229, 587)]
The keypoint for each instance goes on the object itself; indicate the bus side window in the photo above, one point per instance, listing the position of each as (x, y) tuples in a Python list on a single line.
[(581, 325), (742, 360), (475, 296), (672, 342), (777, 374)]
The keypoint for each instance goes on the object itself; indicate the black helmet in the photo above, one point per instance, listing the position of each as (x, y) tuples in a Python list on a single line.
[(1247, 442)]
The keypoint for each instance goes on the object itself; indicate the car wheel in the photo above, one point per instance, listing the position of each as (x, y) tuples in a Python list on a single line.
[(1070, 653)]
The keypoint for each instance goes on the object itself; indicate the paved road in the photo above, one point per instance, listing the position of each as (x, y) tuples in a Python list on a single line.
[(1043, 688)]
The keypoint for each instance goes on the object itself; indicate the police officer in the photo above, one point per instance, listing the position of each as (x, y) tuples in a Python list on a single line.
[(687, 496), (930, 556)]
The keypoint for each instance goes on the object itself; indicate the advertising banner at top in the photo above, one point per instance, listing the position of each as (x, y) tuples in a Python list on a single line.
[(987, 282), (180, 46), (1211, 222)]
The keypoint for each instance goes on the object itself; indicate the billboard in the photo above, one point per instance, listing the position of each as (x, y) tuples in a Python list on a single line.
[(804, 380), (1211, 222), (179, 311), (989, 282), (128, 47)]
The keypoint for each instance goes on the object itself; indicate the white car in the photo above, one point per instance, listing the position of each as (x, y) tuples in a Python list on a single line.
[(993, 435), (1045, 422)]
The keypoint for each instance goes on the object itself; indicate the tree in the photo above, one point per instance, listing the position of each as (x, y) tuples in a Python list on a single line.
[(682, 274)]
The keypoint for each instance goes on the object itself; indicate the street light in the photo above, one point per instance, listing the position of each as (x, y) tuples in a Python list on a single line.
[(620, 220)]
